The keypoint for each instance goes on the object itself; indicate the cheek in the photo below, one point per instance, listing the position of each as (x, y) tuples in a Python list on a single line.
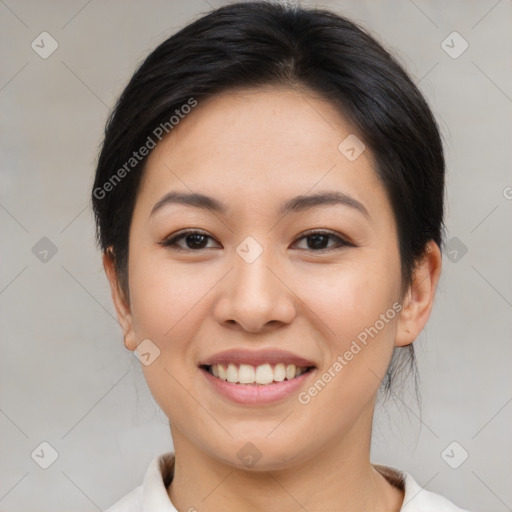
[(358, 330), (350, 297), (165, 296), (358, 308), (167, 309)]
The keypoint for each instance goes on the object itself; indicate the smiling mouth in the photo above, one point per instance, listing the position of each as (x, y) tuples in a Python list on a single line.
[(262, 375)]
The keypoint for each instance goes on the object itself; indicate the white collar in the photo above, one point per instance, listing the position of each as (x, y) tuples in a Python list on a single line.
[(161, 470)]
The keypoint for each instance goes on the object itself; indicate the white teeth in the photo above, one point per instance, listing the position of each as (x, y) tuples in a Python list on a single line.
[(290, 371), (222, 371), (279, 372), (246, 374), (232, 373), (262, 374)]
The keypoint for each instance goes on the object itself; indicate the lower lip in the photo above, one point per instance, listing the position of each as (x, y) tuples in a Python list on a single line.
[(256, 394)]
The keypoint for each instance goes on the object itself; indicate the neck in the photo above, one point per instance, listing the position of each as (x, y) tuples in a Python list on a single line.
[(340, 477)]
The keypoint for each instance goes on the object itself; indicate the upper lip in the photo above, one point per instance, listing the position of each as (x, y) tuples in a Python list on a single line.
[(256, 358)]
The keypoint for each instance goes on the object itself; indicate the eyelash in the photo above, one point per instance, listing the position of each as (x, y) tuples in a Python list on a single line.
[(170, 242)]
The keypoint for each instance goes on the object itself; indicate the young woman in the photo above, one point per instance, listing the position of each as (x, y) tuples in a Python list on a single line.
[(269, 204)]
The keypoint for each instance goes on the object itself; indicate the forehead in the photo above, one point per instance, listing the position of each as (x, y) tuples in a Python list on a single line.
[(260, 145)]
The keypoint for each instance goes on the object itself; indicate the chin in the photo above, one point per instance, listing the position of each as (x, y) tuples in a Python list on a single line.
[(257, 453)]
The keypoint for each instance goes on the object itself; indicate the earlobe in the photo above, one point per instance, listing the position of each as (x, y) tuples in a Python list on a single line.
[(419, 299), (123, 310)]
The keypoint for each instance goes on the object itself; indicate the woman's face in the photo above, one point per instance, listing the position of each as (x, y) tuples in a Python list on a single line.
[(252, 281)]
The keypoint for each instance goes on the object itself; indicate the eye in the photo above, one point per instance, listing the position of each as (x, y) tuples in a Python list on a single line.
[(197, 240), (319, 238)]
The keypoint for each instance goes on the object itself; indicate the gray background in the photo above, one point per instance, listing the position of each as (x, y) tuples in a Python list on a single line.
[(65, 376)]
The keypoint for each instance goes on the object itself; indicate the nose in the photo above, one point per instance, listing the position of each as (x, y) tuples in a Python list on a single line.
[(254, 296)]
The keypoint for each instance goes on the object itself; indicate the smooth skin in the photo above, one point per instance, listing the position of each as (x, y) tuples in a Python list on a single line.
[(253, 150)]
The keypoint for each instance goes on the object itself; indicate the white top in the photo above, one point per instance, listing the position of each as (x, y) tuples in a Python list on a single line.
[(152, 495)]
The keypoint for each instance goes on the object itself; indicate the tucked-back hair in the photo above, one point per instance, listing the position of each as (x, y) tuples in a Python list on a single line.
[(261, 44)]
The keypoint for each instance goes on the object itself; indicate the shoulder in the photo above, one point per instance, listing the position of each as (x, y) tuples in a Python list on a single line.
[(151, 495), (132, 502), (418, 499)]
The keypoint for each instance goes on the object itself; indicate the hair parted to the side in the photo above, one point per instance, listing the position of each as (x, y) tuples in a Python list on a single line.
[(265, 44)]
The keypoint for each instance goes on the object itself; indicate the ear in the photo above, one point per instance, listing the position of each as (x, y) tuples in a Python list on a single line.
[(419, 298), (123, 310)]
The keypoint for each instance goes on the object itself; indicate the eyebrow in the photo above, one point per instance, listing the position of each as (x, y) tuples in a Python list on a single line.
[(295, 204)]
